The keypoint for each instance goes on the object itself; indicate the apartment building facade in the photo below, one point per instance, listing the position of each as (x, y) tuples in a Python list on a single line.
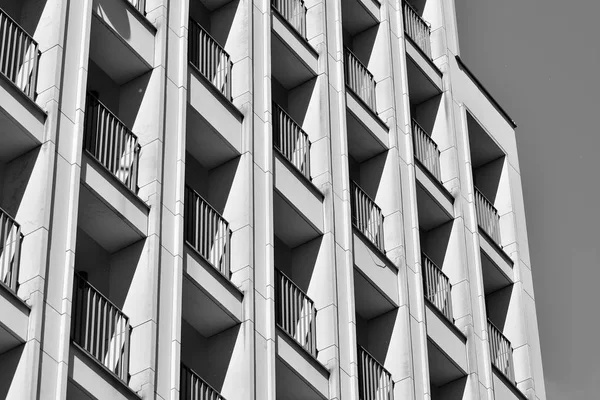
[(236, 199)]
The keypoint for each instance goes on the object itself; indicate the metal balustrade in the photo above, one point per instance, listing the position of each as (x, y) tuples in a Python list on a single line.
[(209, 58), (294, 12), (207, 231), (139, 5), (360, 80), (374, 381), (19, 55), (367, 216), (487, 216), (100, 327), (426, 150), (10, 250), (296, 312), (193, 387), (110, 142), (437, 288), (501, 352), (417, 29), (291, 140)]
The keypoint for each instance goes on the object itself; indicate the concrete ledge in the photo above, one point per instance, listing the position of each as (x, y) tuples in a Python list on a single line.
[(504, 389), (424, 63), (99, 382), (496, 255), (21, 119), (367, 133), (308, 370), (14, 319), (435, 188)]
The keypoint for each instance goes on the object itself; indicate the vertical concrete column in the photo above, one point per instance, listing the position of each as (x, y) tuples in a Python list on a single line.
[(262, 192), (340, 199), (63, 34), (166, 189)]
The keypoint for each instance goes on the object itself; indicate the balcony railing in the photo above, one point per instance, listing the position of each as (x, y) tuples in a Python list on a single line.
[(10, 250), (291, 140), (487, 216), (374, 381), (417, 29), (210, 58), (426, 150), (207, 231), (360, 80), (501, 352), (296, 313), (192, 387), (100, 328), (19, 55), (367, 216), (111, 142), (139, 5), (294, 12), (437, 287)]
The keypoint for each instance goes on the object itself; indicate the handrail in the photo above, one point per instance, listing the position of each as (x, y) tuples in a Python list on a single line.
[(207, 231), (360, 80), (139, 5), (367, 216), (100, 327), (294, 12), (19, 55), (375, 382), (193, 387), (437, 287), (10, 250), (210, 58), (109, 140), (296, 312), (291, 140), (501, 352), (487, 216), (426, 150), (417, 28)]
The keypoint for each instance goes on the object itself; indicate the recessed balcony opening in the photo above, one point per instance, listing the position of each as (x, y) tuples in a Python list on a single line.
[(366, 182), (295, 119), (106, 309), (297, 272), (359, 15), (417, 26), (210, 362), (439, 265), (216, 31), (373, 337), (490, 178), (10, 357)]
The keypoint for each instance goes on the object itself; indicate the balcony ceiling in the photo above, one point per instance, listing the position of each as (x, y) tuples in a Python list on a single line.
[(359, 15), (483, 148), (420, 87), (431, 213), (286, 64), (369, 301), (291, 386), (442, 369), (290, 225), (493, 277)]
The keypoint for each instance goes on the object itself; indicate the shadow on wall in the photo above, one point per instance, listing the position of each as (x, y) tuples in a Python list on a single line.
[(9, 362), (15, 178), (112, 10)]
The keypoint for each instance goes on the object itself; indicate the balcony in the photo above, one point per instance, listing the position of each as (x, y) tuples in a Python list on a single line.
[(21, 119), (360, 15), (374, 381), (111, 143), (360, 81), (110, 211), (296, 313), (426, 151), (193, 387), (501, 352), (122, 39), (210, 59), (100, 328), (291, 141), (487, 217), (417, 29), (367, 216), (294, 12), (437, 288), (207, 232), (14, 318)]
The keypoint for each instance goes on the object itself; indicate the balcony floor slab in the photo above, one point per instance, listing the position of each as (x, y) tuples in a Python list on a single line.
[(434, 203), (424, 78), (14, 320)]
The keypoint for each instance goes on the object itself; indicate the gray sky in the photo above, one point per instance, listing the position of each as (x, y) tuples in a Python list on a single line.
[(541, 60)]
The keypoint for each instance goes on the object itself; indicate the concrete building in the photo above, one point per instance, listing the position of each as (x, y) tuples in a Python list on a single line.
[(235, 199)]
